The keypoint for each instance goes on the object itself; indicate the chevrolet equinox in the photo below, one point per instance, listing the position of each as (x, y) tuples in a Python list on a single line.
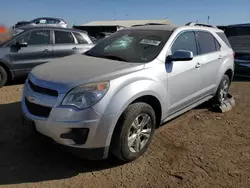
[(111, 99)]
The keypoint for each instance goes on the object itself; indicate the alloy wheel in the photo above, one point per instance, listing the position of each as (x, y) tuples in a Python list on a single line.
[(139, 132), (224, 90)]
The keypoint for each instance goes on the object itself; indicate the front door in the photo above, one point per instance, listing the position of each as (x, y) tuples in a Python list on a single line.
[(183, 76), (37, 51)]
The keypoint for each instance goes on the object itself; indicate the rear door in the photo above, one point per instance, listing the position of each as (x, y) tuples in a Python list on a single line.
[(38, 51), (65, 44), (84, 43), (209, 50)]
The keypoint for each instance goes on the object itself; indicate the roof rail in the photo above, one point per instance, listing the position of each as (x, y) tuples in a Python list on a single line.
[(199, 24), (149, 24)]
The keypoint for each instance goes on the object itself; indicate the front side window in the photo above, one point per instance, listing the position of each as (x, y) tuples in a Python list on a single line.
[(37, 37), (41, 21), (131, 45), (185, 41), (64, 37), (206, 42)]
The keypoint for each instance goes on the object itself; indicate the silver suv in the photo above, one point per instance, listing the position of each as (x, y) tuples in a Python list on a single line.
[(111, 99)]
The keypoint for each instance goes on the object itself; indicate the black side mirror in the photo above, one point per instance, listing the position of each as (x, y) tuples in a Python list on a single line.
[(181, 55), (21, 44)]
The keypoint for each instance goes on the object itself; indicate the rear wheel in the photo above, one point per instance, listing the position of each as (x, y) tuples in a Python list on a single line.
[(134, 132), (222, 91), (3, 77)]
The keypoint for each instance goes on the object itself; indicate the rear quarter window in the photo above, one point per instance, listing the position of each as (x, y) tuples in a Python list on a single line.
[(80, 38), (224, 38)]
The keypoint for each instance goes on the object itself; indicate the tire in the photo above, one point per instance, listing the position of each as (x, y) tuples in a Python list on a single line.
[(3, 77), (124, 131), (222, 91)]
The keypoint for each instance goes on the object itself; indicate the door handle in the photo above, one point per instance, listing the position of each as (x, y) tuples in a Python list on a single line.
[(46, 50), (220, 57), (198, 65)]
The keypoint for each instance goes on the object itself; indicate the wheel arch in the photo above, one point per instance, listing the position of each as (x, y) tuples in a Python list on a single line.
[(7, 69), (230, 74)]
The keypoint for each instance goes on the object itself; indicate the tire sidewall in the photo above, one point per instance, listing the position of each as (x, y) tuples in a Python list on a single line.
[(3, 76), (125, 152)]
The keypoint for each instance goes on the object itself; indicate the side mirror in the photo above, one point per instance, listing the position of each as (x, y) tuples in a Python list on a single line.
[(181, 55), (21, 44)]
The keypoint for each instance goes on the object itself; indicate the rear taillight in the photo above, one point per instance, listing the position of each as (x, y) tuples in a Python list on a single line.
[(234, 54)]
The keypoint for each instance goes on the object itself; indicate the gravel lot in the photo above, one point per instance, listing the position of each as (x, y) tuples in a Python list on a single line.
[(198, 149)]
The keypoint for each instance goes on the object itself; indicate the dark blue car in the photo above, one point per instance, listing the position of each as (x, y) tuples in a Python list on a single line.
[(239, 38)]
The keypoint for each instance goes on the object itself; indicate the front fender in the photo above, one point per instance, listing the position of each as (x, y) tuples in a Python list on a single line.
[(125, 95)]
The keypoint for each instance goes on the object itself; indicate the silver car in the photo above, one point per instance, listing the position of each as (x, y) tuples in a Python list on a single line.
[(111, 99), (43, 21)]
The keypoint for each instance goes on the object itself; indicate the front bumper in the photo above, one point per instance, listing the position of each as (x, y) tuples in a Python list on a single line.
[(62, 120)]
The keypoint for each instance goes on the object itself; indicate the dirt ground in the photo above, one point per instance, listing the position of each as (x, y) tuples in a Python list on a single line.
[(198, 149)]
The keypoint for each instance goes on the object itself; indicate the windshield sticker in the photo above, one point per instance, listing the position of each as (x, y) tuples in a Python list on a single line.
[(150, 42)]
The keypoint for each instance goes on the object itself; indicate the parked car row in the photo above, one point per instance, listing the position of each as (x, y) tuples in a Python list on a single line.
[(110, 99), (33, 46)]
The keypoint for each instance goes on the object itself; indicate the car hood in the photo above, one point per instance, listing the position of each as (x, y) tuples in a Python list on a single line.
[(80, 69)]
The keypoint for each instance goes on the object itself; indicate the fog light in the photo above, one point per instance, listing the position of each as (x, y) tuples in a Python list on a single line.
[(78, 135)]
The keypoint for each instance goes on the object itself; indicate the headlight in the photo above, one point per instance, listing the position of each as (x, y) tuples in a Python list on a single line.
[(86, 95)]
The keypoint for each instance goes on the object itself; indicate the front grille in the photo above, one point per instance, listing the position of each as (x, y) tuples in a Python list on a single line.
[(37, 110), (42, 90)]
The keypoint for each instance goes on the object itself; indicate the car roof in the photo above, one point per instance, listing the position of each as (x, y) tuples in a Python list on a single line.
[(48, 18), (172, 27), (247, 25), (167, 27), (26, 28)]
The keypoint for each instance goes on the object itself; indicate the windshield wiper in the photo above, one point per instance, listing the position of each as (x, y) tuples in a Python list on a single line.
[(112, 57)]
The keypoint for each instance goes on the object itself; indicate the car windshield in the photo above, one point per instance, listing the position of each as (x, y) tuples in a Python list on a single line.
[(131, 45)]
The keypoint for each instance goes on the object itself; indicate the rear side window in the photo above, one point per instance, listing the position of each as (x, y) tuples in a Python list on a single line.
[(185, 41), (206, 42), (64, 37), (224, 38), (80, 38), (52, 21)]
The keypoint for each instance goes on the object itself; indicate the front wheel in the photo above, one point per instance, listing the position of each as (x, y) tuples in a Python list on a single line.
[(133, 132)]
